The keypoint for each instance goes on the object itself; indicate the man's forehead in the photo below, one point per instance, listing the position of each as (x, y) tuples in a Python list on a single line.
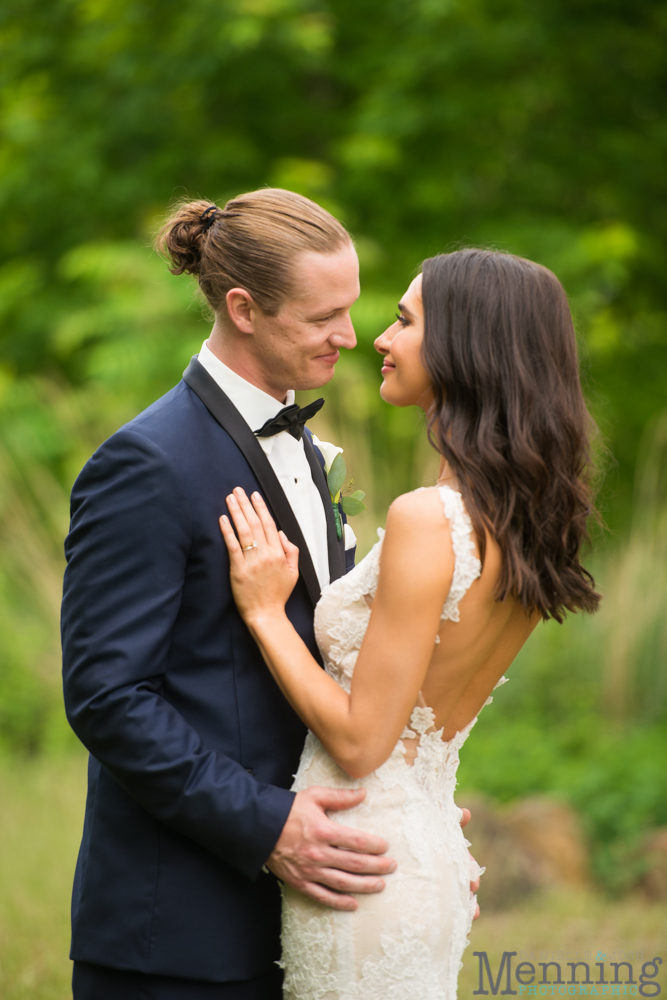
[(330, 281), (341, 264)]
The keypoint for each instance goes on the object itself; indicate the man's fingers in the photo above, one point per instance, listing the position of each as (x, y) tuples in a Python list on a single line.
[(356, 863), (335, 900), (336, 799), (345, 882), (361, 841)]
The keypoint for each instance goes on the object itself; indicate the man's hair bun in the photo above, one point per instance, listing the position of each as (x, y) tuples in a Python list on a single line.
[(181, 236)]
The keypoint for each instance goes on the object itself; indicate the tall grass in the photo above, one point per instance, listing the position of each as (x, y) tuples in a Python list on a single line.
[(635, 612), (40, 829), (33, 518)]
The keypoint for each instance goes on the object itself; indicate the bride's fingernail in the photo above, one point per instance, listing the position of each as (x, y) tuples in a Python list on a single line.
[(392, 866)]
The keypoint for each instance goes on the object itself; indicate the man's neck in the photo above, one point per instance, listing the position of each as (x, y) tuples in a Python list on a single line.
[(227, 350)]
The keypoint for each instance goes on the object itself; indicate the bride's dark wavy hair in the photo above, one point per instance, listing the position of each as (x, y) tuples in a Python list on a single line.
[(510, 418)]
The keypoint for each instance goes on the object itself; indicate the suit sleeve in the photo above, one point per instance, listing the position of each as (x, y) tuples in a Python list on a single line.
[(127, 552)]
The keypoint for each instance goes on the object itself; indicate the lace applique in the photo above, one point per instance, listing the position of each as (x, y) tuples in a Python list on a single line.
[(467, 566), (310, 971), (405, 958), (341, 635), (503, 680), (421, 720)]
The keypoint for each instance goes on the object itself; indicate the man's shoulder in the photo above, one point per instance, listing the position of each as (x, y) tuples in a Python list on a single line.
[(171, 430), (172, 423), (167, 412)]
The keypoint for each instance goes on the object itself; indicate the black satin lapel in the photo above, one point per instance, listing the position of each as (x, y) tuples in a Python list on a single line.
[(336, 546), (221, 407)]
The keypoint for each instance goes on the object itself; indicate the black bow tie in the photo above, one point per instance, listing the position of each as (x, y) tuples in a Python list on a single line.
[(291, 418)]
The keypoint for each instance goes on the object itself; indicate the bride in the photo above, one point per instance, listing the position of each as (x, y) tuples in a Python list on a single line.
[(416, 637)]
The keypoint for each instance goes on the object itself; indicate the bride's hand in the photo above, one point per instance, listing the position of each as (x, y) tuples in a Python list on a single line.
[(264, 565)]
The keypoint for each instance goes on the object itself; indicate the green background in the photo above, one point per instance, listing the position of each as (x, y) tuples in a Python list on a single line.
[(538, 128)]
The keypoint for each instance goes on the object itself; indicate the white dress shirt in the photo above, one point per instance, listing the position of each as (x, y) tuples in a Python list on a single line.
[(285, 454)]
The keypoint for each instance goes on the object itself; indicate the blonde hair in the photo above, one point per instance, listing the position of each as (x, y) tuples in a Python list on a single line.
[(252, 243)]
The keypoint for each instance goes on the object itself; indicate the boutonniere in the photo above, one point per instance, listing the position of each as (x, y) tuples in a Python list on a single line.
[(342, 496)]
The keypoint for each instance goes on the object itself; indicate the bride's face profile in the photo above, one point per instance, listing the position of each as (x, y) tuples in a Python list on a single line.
[(405, 380)]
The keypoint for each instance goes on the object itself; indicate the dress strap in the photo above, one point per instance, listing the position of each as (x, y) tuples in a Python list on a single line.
[(467, 566)]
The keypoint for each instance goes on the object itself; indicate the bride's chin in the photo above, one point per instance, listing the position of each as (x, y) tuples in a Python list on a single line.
[(390, 395), (386, 393)]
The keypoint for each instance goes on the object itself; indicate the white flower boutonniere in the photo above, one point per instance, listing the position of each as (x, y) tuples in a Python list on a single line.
[(342, 497)]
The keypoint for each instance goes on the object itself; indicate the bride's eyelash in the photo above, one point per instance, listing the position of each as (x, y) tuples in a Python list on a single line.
[(402, 320)]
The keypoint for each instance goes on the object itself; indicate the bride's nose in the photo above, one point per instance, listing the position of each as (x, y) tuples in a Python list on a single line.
[(383, 342)]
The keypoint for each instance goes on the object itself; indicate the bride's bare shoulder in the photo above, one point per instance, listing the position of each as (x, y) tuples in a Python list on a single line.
[(423, 505), (417, 545), (418, 518)]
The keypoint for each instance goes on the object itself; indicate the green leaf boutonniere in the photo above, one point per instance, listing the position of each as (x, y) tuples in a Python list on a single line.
[(341, 493)]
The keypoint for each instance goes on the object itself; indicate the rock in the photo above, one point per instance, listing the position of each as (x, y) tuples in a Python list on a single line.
[(654, 881), (551, 831), (529, 846)]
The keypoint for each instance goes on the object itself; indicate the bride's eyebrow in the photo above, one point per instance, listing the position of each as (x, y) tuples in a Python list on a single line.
[(405, 310)]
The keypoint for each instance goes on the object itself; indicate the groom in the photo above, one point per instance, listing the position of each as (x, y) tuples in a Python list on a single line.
[(189, 822)]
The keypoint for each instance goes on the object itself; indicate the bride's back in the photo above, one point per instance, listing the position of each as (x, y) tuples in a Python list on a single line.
[(475, 651)]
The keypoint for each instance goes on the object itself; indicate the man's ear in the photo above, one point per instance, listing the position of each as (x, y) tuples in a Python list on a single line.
[(241, 309)]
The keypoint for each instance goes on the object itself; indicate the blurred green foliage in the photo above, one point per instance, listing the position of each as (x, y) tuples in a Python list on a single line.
[(537, 128)]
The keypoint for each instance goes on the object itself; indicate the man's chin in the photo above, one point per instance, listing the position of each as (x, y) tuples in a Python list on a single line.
[(316, 377)]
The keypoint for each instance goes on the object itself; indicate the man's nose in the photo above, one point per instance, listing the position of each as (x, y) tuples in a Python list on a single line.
[(344, 335)]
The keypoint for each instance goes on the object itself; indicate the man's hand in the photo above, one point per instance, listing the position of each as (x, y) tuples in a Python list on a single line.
[(474, 886), (323, 859)]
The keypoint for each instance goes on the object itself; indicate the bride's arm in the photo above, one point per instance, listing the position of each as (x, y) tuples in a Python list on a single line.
[(359, 730)]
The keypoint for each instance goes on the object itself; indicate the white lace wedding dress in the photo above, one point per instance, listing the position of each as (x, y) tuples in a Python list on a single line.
[(406, 942)]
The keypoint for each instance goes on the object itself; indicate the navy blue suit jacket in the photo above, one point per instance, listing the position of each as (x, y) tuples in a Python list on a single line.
[(193, 747)]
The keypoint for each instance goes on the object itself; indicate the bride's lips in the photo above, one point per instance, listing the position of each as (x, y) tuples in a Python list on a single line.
[(387, 366)]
